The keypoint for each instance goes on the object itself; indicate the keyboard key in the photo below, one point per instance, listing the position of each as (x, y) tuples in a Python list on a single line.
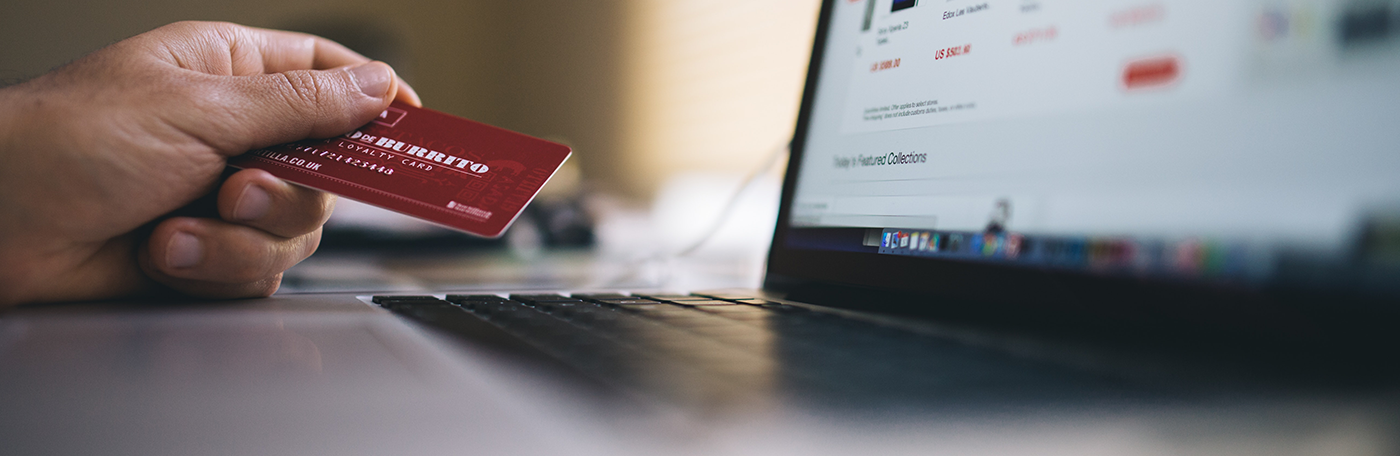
[(655, 307), (670, 309), (458, 298), (552, 306), (597, 296), (582, 312), (490, 309), (727, 297), (540, 297), (630, 302), (733, 309), (587, 310), (395, 303), (685, 316), (706, 303), (756, 302), (750, 317), (663, 297), (380, 299), (783, 307), (543, 302)]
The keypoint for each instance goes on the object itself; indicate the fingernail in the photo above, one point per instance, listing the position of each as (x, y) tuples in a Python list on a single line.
[(184, 251), (373, 78), (252, 204)]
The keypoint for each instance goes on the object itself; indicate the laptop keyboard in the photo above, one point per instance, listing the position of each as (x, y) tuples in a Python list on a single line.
[(724, 349)]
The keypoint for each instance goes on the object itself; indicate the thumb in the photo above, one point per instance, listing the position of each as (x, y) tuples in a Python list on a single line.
[(275, 108)]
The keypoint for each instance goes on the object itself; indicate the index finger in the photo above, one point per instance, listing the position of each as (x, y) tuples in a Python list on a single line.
[(288, 51), (282, 51)]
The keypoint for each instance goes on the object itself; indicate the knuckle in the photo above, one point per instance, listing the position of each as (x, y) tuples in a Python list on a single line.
[(221, 25), (198, 28), (310, 211), (304, 90), (322, 204), (298, 228), (201, 24), (183, 26)]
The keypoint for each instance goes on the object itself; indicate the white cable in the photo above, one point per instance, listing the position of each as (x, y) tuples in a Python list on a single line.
[(634, 267), (733, 203)]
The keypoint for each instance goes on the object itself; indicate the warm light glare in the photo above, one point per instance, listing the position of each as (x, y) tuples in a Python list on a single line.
[(712, 85)]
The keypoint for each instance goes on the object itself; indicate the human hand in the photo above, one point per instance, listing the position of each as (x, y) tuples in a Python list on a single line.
[(96, 155)]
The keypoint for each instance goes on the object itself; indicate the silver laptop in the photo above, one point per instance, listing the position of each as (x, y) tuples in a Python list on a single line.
[(1006, 226)]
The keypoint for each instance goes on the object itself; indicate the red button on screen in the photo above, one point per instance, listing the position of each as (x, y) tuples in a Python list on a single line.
[(1153, 72)]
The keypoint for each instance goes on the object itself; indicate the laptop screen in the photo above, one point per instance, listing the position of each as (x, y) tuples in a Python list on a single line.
[(1243, 142)]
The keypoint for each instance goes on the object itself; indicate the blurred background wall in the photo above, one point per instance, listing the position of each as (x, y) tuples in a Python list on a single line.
[(644, 90)]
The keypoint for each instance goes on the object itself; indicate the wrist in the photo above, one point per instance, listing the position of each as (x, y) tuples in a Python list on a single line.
[(13, 279), (22, 246)]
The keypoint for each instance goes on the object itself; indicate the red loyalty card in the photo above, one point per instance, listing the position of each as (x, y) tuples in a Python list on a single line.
[(437, 167)]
